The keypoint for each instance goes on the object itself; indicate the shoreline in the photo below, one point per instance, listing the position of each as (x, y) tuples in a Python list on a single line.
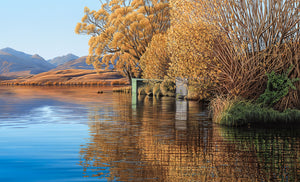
[(69, 77), (86, 83)]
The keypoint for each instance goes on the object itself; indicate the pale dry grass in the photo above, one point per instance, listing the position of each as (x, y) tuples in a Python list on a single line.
[(122, 89), (218, 107)]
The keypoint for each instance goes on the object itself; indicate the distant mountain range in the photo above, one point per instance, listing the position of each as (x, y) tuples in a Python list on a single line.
[(62, 59), (15, 63), (79, 63)]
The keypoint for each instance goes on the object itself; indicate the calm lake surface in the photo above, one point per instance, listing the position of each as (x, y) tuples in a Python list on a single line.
[(75, 134)]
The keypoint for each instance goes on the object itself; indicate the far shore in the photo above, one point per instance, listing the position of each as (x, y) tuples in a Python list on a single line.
[(73, 77)]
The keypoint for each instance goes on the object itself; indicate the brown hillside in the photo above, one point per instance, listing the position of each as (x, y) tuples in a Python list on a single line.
[(71, 77)]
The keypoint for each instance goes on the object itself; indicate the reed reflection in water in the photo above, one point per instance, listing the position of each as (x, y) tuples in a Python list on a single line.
[(168, 140)]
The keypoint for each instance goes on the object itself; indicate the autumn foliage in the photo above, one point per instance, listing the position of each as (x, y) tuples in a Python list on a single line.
[(223, 47), (155, 62), (122, 30), (232, 45), (190, 46)]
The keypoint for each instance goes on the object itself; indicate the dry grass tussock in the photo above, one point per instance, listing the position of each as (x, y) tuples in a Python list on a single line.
[(218, 106)]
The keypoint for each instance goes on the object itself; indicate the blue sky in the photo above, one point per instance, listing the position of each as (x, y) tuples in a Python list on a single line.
[(44, 27)]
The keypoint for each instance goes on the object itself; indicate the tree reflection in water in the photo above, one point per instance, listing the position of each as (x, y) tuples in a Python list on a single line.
[(167, 140), (277, 151)]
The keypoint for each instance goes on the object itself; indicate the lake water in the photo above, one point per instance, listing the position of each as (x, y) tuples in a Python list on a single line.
[(75, 134)]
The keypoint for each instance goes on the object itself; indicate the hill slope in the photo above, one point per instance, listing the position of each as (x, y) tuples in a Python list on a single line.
[(14, 62), (79, 63), (71, 77)]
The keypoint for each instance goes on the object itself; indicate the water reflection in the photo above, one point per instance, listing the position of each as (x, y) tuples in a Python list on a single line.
[(24, 106), (181, 114), (167, 140), (157, 140), (41, 131), (277, 152)]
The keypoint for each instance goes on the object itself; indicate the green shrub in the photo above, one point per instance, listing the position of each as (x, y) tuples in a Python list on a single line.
[(277, 87)]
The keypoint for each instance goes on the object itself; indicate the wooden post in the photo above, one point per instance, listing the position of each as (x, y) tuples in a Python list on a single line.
[(181, 87)]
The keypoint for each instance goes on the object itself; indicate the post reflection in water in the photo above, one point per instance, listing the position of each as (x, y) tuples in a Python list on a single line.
[(181, 114), (168, 140)]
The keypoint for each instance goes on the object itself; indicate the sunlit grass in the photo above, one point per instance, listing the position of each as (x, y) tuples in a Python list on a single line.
[(122, 89)]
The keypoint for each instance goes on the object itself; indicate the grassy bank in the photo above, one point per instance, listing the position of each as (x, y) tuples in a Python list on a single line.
[(235, 112)]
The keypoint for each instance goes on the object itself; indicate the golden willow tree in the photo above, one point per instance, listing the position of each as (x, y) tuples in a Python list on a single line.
[(122, 30)]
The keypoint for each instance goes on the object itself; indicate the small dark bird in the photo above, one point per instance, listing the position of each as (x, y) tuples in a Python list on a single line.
[(100, 92)]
